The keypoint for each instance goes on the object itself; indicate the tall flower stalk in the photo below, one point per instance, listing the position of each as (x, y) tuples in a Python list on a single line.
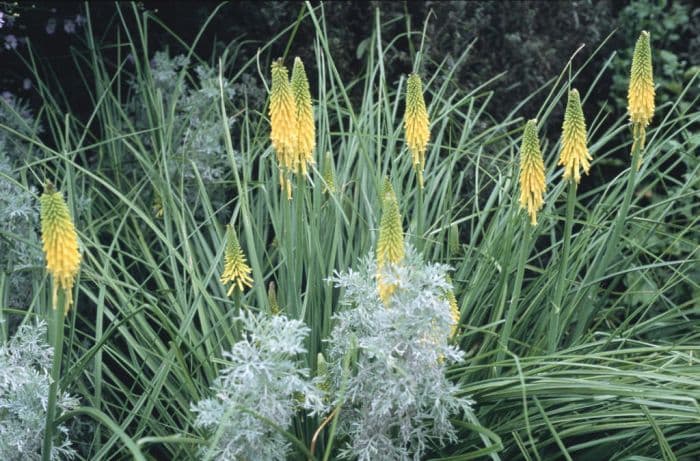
[(574, 156), (60, 243), (641, 109)]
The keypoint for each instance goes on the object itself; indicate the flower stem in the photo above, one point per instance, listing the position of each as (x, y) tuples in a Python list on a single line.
[(419, 220), (525, 246), (56, 341), (553, 332), (600, 264)]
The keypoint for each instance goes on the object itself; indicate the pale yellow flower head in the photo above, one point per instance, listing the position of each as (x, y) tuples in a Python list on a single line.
[(390, 243), (454, 308), (416, 124), (283, 117), (305, 131), (236, 269), (532, 178), (574, 155), (60, 242), (640, 96)]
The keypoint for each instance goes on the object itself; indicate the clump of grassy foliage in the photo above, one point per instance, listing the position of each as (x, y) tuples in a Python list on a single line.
[(608, 371)]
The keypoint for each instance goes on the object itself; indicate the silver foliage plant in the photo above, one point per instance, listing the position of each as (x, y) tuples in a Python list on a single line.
[(25, 363), (20, 249), (262, 383), (195, 146), (396, 400)]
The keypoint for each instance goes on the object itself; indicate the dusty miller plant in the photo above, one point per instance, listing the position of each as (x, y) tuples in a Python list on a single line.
[(20, 249), (396, 401), (263, 382), (196, 148), (25, 363)]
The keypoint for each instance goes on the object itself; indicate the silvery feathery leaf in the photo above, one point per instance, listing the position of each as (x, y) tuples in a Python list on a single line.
[(262, 380), (25, 363), (397, 400), (20, 248)]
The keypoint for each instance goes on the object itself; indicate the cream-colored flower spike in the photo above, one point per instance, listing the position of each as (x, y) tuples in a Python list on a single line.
[(454, 308), (283, 123), (574, 155), (306, 131), (532, 178), (60, 242), (390, 243), (236, 269), (640, 96), (416, 124)]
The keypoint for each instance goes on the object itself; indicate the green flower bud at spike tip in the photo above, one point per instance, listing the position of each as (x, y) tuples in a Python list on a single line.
[(329, 174), (60, 242), (305, 132), (283, 122), (390, 244), (275, 308), (574, 154), (236, 269), (416, 124), (324, 383), (532, 179), (453, 239), (640, 97)]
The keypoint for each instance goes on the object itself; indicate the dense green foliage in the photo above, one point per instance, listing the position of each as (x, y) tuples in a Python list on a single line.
[(570, 348)]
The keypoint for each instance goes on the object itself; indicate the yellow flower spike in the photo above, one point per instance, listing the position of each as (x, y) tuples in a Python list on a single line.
[(390, 243), (60, 242), (640, 96), (454, 307), (416, 124), (283, 118), (532, 179), (236, 269), (329, 174), (574, 154), (306, 132)]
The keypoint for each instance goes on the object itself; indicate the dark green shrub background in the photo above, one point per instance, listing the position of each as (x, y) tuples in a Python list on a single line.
[(528, 40)]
